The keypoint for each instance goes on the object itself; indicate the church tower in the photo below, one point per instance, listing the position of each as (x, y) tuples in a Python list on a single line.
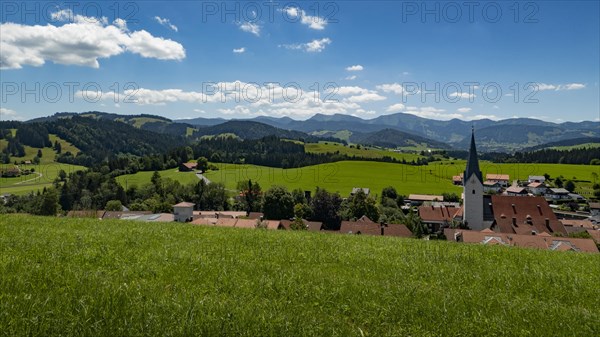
[(473, 190)]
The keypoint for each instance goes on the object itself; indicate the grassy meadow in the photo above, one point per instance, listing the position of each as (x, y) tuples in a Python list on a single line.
[(434, 178), (74, 277), (366, 152), (45, 173)]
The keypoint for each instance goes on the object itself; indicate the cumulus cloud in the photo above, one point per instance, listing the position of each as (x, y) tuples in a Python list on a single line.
[(166, 22), (560, 87), (395, 107), (313, 22), (464, 110), (392, 87), (357, 67), (80, 42), (250, 27), (239, 50), (351, 78), (8, 114), (431, 112), (463, 95), (314, 46)]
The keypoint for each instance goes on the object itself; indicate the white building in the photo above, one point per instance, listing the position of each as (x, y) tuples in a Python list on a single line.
[(183, 211)]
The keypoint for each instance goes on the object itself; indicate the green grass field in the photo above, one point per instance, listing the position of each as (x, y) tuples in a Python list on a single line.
[(45, 172), (343, 176), (366, 152), (84, 277), (43, 176), (141, 178)]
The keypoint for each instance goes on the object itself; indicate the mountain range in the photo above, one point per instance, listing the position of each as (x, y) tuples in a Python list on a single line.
[(395, 130)]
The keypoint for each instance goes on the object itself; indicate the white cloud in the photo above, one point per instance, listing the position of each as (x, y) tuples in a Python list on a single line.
[(391, 87), (239, 50), (476, 117), (351, 78), (464, 95), (349, 90), (313, 22), (81, 42), (357, 67), (560, 87), (464, 110), (250, 27), (314, 46), (431, 112), (199, 111), (8, 114), (366, 97), (395, 107), (166, 22)]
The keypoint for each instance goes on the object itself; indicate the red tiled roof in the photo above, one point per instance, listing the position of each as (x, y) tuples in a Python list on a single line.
[(586, 223), (595, 234), (523, 215), (491, 176), (525, 241), (536, 185), (365, 228), (246, 223), (397, 230), (225, 222), (190, 166), (437, 213)]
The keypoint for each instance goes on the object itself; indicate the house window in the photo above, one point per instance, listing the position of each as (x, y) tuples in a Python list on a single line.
[(473, 191)]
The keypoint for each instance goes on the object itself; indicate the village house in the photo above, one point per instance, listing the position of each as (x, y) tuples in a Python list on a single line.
[(516, 191), (436, 217), (524, 215), (537, 188), (457, 180), (557, 194), (595, 208), (491, 187), (501, 179), (183, 211), (419, 199)]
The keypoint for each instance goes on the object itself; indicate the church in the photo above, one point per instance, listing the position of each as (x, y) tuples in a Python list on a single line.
[(502, 213)]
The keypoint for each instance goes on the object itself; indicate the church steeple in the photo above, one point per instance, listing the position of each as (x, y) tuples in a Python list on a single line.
[(472, 161)]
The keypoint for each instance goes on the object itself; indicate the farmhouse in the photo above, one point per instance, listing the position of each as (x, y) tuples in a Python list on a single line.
[(187, 167), (372, 228), (536, 179), (501, 179)]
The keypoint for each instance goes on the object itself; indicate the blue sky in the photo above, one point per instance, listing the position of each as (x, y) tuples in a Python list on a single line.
[(188, 59)]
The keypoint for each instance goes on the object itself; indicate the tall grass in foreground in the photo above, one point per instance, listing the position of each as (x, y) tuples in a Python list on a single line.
[(115, 278)]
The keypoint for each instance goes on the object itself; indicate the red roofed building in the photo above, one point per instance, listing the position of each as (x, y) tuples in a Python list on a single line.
[(524, 215), (546, 241), (437, 216), (186, 167)]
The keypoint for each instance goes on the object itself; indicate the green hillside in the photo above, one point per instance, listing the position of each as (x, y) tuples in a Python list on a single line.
[(114, 278)]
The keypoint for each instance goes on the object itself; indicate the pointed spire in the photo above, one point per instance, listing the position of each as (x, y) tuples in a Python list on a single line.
[(472, 161)]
